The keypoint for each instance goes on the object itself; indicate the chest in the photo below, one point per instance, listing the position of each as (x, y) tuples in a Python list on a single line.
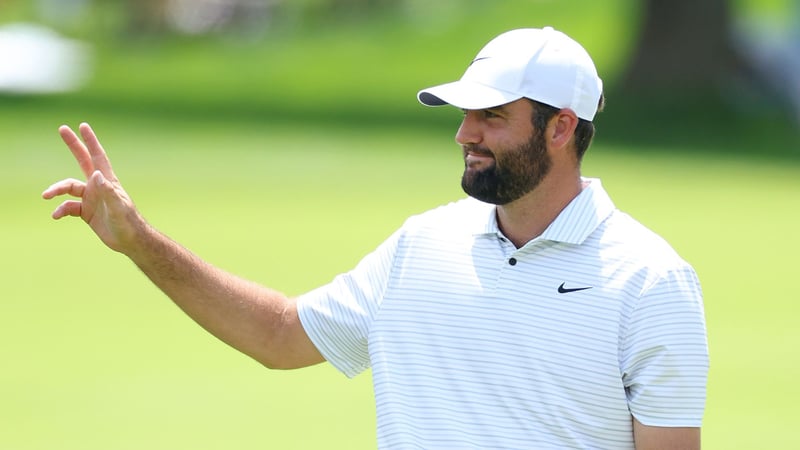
[(543, 310)]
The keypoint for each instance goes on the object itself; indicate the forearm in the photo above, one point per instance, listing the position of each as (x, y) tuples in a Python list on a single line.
[(258, 321)]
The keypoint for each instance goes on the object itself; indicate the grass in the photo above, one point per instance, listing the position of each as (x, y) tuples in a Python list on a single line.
[(95, 357)]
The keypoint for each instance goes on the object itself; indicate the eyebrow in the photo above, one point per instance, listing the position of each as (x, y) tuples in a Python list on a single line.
[(498, 108)]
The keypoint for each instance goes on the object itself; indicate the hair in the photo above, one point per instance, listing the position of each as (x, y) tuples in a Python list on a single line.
[(584, 131)]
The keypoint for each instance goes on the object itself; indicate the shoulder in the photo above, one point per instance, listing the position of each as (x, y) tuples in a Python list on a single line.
[(623, 236)]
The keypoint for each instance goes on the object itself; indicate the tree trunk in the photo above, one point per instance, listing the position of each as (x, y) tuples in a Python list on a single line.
[(684, 45)]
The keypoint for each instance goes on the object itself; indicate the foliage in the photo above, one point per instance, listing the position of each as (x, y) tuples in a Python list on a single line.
[(355, 68), (366, 70)]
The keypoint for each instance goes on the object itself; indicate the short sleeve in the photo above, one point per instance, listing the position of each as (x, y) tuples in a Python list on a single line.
[(337, 316), (664, 355)]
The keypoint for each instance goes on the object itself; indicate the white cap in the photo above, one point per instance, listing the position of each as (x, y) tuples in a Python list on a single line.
[(541, 64)]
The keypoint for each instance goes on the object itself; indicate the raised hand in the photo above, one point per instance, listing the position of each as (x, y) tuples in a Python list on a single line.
[(101, 201)]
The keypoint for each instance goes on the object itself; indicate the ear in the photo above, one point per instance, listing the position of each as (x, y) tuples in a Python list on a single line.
[(562, 128)]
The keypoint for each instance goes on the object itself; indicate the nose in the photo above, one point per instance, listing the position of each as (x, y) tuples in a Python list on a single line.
[(469, 131)]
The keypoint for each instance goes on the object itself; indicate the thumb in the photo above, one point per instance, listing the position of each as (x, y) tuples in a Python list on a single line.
[(101, 187), (109, 212), (99, 181), (109, 192)]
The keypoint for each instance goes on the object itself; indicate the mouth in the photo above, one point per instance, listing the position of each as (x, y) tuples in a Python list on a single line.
[(476, 157)]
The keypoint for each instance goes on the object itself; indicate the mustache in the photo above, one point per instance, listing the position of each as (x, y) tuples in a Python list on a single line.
[(476, 150)]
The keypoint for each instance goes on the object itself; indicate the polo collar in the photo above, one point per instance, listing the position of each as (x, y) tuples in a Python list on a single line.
[(573, 225)]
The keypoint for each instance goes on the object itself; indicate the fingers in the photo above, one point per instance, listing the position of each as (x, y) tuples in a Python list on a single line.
[(98, 154), (69, 186), (68, 208), (89, 153), (79, 151), (76, 188)]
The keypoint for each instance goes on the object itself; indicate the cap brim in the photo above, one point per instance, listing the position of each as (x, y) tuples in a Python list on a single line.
[(465, 95)]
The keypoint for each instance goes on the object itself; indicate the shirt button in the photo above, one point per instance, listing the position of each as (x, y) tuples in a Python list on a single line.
[(512, 261)]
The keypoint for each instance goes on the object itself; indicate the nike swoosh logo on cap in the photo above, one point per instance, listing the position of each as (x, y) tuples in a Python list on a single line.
[(479, 59)]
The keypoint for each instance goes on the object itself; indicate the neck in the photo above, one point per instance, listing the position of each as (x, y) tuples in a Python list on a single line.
[(526, 218)]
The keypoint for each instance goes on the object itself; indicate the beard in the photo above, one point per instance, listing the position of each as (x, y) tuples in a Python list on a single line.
[(512, 174)]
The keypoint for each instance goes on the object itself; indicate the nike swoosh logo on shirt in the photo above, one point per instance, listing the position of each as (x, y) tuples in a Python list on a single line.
[(563, 290)]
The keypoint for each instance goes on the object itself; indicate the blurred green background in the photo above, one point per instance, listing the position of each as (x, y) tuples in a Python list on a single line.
[(282, 141)]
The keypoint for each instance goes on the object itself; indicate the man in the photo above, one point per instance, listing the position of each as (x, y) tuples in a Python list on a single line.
[(532, 314)]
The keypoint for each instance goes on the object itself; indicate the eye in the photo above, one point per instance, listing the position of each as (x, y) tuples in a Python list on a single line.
[(486, 113)]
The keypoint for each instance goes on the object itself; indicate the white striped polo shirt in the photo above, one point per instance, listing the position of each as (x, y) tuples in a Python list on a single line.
[(474, 343)]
